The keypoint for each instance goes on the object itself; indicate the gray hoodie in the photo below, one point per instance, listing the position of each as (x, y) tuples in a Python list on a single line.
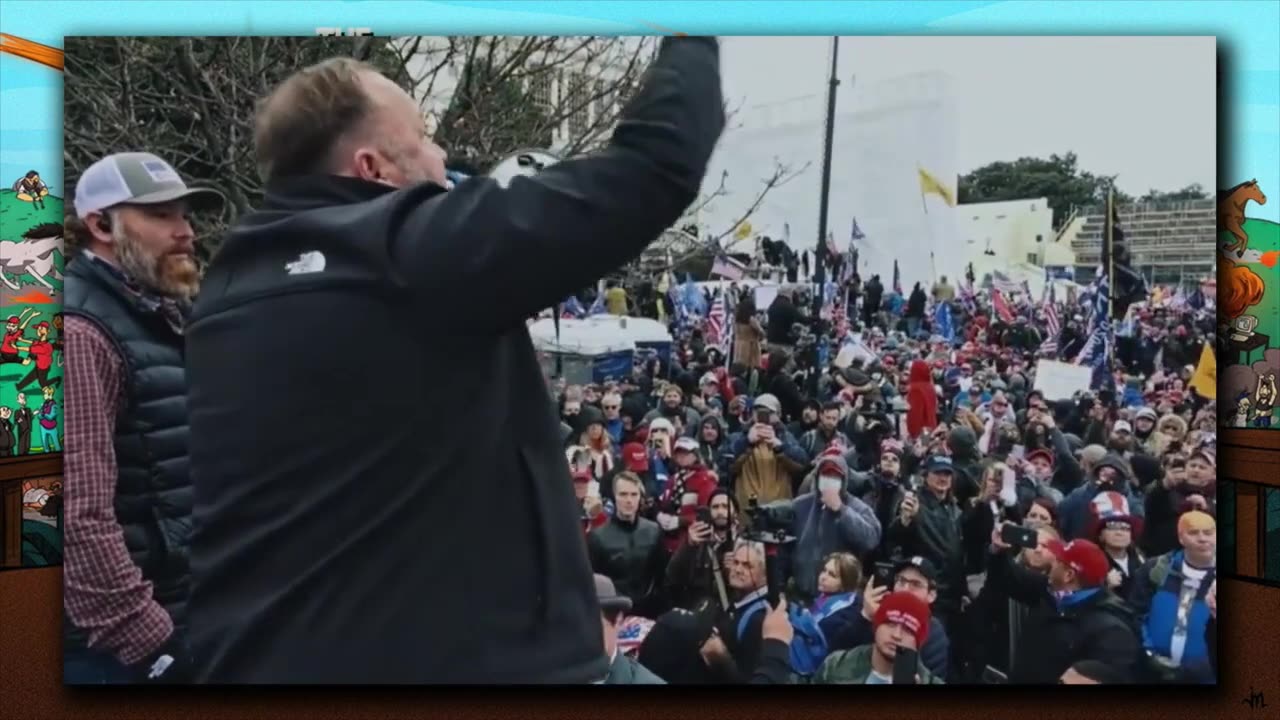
[(819, 531)]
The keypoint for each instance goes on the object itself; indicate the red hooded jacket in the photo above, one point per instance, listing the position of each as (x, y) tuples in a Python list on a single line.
[(686, 491), (922, 398)]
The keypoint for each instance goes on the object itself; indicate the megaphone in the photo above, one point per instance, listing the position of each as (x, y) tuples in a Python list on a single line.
[(521, 162)]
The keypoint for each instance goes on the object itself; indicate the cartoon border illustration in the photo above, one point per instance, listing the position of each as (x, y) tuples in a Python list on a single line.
[(27, 269)]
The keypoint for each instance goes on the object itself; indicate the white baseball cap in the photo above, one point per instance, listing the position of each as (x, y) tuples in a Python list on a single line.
[(136, 179)]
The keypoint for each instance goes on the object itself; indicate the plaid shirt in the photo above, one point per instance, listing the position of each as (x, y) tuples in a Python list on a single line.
[(104, 592)]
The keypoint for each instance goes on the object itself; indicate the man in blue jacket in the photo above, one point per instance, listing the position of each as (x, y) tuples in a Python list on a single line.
[(1170, 597), (1111, 474)]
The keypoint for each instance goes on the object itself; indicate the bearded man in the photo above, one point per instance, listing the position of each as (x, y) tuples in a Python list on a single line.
[(127, 291)]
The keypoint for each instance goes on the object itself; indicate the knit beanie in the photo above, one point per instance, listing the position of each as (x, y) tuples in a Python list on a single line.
[(907, 610)]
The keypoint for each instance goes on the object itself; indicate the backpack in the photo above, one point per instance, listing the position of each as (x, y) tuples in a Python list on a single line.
[(808, 646)]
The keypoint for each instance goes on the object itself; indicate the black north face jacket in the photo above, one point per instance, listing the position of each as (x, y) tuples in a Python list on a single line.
[(351, 524)]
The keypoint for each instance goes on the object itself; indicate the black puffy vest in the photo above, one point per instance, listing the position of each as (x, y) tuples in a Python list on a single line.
[(153, 490)]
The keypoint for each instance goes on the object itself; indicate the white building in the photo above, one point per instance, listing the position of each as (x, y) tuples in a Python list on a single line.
[(885, 132), (1011, 236), (581, 89)]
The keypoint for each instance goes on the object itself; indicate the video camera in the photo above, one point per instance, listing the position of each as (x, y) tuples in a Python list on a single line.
[(769, 525)]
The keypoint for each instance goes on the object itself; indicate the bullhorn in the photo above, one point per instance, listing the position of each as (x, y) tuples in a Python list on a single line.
[(520, 163)]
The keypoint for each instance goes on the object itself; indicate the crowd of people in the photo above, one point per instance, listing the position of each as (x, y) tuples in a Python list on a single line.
[(921, 498)]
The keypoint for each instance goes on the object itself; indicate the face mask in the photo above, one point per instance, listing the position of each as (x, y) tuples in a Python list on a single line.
[(830, 483)]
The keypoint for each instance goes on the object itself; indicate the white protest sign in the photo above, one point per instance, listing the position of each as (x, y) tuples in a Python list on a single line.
[(1061, 381), (844, 358), (765, 295)]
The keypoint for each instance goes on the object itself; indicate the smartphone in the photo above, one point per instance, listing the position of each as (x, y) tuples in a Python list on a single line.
[(1019, 537), (1018, 451), (906, 665), (703, 515), (883, 575)]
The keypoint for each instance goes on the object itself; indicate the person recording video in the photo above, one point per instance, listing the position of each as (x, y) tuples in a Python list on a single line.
[(312, 508), (766, 456)]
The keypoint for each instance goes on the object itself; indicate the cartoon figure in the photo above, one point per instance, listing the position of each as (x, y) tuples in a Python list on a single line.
[(30, 188), (1231, 212), (57, 338), (13, 340), (34, 497), (32, 256), (22, 420), (1264, 400), (49, 423), (1241, 418), (6, 432), (42, 352)]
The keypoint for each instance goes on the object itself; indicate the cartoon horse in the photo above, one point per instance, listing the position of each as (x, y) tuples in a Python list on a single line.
[(1231, 212)]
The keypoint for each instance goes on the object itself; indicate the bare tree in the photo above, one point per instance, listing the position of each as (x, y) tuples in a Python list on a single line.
[(192, 100), (490, 96), (188, 100)]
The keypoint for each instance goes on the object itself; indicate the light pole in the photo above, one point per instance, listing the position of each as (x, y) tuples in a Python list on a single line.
[(823, 199)]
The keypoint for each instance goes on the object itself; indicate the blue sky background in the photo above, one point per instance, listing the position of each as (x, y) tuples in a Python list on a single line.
[(1248, 32)]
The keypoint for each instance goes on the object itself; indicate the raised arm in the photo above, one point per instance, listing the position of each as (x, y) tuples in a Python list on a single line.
[(544, 236)]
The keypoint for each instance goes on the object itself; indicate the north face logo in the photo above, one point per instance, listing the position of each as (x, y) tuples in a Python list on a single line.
[(308, 262)]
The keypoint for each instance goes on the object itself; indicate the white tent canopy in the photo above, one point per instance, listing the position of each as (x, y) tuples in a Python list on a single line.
[(581, 337), (635, 330)]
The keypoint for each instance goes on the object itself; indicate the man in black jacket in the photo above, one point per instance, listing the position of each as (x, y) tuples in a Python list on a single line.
[(428, 534), (1073, 616), (628, 548), (929, 523), (783, 314)]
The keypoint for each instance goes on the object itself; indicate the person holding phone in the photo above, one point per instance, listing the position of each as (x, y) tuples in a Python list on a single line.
[(766, 456), (929, 523), (1111, 474), (900, 626), (690, 487), (853, 626), (691, 580), (1072, 615)]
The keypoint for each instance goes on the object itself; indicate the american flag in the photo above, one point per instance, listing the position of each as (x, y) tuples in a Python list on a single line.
[(1001, 282), (632, 632), (839, 317), (728, 268), (1001, 306), (715, 335), (1052, 324)]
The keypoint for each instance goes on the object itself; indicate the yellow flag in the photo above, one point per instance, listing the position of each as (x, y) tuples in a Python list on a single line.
[(930, 184), (1157, 296), (1205, 381), (744, 231)]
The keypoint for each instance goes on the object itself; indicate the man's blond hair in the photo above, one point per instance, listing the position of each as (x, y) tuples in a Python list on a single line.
[(299, 124)]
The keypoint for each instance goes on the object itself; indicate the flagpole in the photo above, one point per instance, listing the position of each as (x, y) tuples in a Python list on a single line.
[(824, 200), (1108, 267)]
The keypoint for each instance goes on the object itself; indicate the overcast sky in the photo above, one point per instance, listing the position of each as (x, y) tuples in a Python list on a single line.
[(1024, 96)]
